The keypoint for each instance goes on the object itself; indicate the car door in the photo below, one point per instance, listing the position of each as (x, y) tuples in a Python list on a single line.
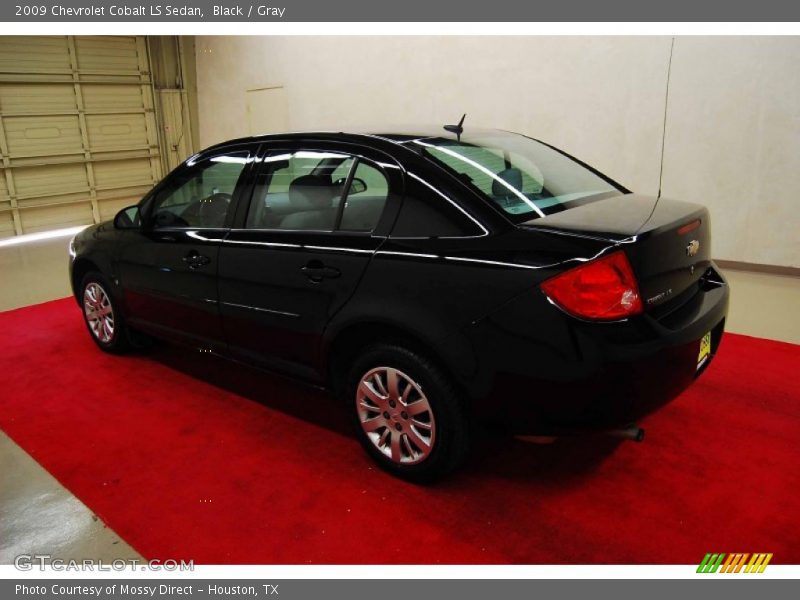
[(168, 267), (317, 214)]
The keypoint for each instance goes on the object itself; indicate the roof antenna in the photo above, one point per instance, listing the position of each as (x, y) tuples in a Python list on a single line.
[(457, 129)]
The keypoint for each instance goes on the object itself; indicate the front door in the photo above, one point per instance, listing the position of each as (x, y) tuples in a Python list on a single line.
[(312, 227), (168, 269)]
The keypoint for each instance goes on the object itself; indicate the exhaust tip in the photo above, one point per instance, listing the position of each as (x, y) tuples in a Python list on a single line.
[(633, 433)]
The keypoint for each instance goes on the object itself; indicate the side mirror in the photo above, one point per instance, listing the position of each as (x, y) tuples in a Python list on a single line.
[(358, 185), (128, 218)]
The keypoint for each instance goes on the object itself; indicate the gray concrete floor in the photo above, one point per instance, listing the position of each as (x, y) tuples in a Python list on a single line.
[(34, 272), (39, 516)]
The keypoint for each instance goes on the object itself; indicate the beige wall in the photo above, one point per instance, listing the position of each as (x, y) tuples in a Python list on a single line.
[(733, 128)]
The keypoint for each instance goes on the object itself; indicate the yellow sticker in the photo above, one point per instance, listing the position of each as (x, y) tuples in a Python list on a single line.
[(705, 350)]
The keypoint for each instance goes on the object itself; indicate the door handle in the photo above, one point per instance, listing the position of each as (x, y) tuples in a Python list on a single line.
[(317, 271), (195, 260)]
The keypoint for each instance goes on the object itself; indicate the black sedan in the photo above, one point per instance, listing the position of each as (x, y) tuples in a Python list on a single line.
[(432, 279)]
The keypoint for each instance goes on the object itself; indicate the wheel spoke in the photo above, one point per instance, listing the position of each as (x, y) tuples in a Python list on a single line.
[(406, 393), (418, 440), (366, 405), (421, 424), (407, 445), (384, 437), (365, 388), (418, 407), (392, 383), (395, 445), (379, 385), (373, 424)]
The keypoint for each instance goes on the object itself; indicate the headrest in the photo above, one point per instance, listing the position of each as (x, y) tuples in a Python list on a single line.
[(311, 192), (512, 176), (214, 209)]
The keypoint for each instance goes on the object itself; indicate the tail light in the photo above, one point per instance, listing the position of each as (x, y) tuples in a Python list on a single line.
[(603, 289)]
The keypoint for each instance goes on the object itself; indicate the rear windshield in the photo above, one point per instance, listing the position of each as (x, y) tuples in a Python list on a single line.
[(523, 177)]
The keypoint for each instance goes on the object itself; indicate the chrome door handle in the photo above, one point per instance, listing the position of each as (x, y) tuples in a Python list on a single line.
[(316, 271)]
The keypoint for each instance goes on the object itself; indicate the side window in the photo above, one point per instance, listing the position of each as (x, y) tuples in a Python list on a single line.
[(365, 200), (200, 195), (299, 191)]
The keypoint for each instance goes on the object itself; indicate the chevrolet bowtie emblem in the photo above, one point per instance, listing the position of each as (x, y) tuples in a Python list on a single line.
[(693, 248)]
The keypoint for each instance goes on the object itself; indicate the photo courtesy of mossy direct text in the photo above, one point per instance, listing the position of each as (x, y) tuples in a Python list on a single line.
[(146, 590)]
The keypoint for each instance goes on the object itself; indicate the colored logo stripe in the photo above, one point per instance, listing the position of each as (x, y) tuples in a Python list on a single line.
[(735, 562), (710, 563)]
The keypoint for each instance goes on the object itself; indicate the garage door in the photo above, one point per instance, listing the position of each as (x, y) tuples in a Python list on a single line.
[(77, 130)]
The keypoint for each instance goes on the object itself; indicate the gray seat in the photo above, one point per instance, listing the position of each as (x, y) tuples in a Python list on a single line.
[(311, 199)]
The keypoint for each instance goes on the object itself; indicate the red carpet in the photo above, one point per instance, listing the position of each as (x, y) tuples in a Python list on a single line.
[(188, 456)]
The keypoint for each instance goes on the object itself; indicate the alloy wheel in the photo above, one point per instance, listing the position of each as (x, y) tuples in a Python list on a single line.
[(395, 415), (99, 312)]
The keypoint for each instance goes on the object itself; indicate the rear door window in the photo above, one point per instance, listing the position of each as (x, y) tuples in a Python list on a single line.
[(304, 191)]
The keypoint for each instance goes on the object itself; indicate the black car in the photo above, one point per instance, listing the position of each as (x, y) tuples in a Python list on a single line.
[(431, 278)]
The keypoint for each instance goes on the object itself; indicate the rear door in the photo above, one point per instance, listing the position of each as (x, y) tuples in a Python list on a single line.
[(168, 268), (317, 214)]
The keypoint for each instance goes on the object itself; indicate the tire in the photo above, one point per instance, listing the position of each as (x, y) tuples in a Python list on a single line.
[(108, 329), (417, 429)]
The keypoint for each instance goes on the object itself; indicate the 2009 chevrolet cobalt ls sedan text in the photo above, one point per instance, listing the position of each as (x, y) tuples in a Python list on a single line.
[(429, 278)]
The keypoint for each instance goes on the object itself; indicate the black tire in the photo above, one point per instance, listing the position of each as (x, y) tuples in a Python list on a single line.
[(450, 441), (119, 341)]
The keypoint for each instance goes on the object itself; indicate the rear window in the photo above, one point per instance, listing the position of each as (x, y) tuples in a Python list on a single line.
[(523, 177)]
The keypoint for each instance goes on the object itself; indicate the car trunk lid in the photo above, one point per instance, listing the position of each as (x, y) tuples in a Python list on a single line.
[(667, 241)]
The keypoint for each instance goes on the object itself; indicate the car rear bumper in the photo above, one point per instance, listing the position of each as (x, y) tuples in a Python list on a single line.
[(554, 373)]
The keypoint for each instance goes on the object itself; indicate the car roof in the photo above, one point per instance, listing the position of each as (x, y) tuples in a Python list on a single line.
[(400, 135)]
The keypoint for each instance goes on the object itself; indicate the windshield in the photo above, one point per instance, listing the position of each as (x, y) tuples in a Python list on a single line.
[(525, 178)]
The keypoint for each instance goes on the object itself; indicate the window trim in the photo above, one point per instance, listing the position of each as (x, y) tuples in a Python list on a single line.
[(337, 223)]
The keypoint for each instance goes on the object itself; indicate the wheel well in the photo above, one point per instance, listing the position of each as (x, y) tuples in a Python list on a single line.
[(351, 340), (81, 267)]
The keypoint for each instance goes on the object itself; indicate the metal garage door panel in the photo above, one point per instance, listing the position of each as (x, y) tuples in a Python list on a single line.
[(110, 54), (123, 173), (54, 217), (34, 54), (50, 180), (6, 225), (6, 219), (42, 136), (112, 97), (22, 98), (114, 132)]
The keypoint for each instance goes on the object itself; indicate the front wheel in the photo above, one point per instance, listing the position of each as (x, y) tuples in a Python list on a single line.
[(100, 312), (407, 413)]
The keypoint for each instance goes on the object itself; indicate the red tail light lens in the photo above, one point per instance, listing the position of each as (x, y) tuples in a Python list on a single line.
[(604, 289)]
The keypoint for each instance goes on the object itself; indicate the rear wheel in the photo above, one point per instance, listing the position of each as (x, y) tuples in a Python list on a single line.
[(100, 312), (407, 413)]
